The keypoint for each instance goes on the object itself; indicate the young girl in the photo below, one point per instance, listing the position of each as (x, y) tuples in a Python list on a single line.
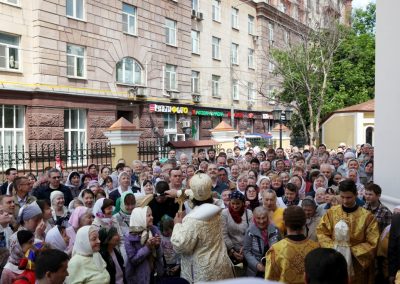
[(143, 249), (170, 258)]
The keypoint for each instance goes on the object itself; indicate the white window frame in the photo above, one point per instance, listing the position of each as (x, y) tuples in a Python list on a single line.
[(195, 5), (16, 130), (235, 53), (285, 36), (216, 42), (235, 90), (216, 10), (281, 6), (75, 58), (235, 18), (129, 19), (170, 127), (215, 81), (250, 24), (195, 41), (251, 92), (171, 80), (170, 32), (74, 9), (124, 79), (11, 2), (271, 33), (6, 48), (195, 82), (250, 58), (271, 66), (271, 95), (81, 132)]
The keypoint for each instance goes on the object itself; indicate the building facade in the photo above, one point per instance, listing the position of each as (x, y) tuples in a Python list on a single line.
[(69, 69)]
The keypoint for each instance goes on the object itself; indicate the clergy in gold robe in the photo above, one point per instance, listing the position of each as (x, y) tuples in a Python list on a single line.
[(363, 234), (285, 259)]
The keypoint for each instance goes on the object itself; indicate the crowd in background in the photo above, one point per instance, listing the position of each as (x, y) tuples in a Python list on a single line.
[(243, 209)]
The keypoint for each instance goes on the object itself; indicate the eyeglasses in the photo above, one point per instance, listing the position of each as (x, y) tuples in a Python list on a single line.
[(56, 177)]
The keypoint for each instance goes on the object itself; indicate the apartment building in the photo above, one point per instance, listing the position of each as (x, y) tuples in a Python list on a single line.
[(70, 68)]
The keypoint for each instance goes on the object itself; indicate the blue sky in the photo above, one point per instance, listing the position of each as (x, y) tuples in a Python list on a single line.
[(361, 3)]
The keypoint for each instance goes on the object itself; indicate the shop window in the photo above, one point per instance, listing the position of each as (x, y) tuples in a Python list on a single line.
[(12, 121), (75, 128)]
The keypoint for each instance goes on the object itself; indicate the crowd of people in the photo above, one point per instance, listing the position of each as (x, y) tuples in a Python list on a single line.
[(291, 215)]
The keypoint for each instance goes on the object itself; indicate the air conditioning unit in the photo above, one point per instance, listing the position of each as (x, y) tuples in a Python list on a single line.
[(174, 96), (141, 92), (194, 14), (200, 16), (196, 98), (186, 124)]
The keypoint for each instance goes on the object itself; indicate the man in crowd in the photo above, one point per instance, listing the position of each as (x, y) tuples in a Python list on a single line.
[(373, 204), (211, 155), (137, 168), (11, 174), (175, 179), (162, 204), (54, 177), (237, 156), (217, 186), (363, 232), (51, 267), (326, 170)]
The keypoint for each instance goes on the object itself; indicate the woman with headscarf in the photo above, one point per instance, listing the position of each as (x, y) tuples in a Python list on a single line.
[(85, 179), (110, 241), (105, 172), (235, 221), (197, 236), (127, 203), (147, 187), (301, 185), (74, 183), (59, 212), (86, 264), (87, 198), (142, 244), (57, 238), (264, 183), (82, 216), (320, 181), (124, 184), (257, 240)]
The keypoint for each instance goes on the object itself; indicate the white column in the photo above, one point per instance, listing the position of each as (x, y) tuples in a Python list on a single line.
[(387, 101)]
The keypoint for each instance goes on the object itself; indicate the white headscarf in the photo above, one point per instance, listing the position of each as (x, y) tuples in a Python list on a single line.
[(97, 206), (138, 223), (54, 238), (82, 247)]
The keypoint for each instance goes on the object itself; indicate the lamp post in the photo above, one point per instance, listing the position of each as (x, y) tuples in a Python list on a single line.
[(282, 116)]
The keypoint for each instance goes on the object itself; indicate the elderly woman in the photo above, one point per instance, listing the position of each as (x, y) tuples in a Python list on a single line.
[(235, 221), (354, 176), (58, 210), (275, 214), (86, 264), (277, 185), (300, 183), (242, 183), (312, 219), (258, 239), (198, 236), (57, 238), (87, 198), (124, 184), (127, 203), (82, 216), (263, 184), (142, 244), (320, 195), (320, 181)]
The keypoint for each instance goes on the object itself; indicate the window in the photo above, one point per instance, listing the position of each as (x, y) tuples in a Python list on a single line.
[(250, 58), (234, 53), (13, 2), (317, 6), (129, 19), (170, 129), (130, 72), (286, 36), (281, 6), (195, 42), (75, 61), (271, 33), (170, 77), (271, 95), (9, 52), (215, 48), (195, 82), (235, 90), (271, 66), (170, 32), (195, 5), (251, 92), (295, 13), (216, 10), (250, 25), (12, 127), (74, 128), (234, 18), (75, 9), (215, 86)]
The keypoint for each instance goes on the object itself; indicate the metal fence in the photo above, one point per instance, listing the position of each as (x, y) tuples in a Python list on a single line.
[(149, 150), (36, 159)]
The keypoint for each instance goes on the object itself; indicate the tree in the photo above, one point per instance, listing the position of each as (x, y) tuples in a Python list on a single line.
[(329, 68)]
